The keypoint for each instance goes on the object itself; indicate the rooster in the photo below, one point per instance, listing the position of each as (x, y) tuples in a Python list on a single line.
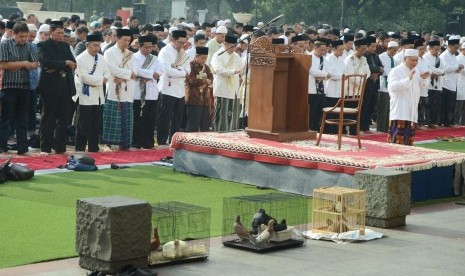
[(155, 242), (240, 230), (267, 234)]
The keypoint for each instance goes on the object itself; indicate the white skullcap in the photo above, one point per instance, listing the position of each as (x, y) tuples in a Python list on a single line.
[(32, 27), (411, 53), (172, 29), (200, 32), (346, 30), (125, 27), (220, 23), (455, 37), (390, 33), (392, 44), (321, 31), (362, 32), (44, 28), (245, 38), (260, 24), (191, 25), (113, 28), (227, 21), (221, 30)]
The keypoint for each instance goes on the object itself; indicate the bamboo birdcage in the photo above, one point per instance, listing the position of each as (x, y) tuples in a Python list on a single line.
[(338, 210)]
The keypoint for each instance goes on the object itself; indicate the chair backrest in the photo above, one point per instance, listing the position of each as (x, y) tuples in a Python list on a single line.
[(352, 90)]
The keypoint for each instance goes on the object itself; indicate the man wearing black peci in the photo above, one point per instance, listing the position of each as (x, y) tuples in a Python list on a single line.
[(56, 86)]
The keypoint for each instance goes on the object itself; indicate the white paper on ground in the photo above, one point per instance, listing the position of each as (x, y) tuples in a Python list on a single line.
[(349, 236)]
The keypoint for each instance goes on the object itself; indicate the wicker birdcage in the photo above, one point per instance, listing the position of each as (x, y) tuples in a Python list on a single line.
[(285, 209), (338, 210), (183, 230)]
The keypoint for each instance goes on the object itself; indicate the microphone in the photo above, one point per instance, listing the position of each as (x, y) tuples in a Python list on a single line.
[(276, 18)]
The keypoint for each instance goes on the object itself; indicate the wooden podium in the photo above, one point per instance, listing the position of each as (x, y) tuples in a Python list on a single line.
[(278, 106)]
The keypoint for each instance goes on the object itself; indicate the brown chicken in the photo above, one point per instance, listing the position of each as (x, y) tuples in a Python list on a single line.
[(240, 230), (155, 242)]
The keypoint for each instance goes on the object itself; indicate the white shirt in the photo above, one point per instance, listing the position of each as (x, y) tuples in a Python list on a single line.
[(386, 61), (346, 53), (85, 63), (114, 58), (172, 80), (461, 79), (335, 66), (225, 81), (431, 62), (355, 65), (213, 47), (404, 93), (191, 52), (151, 90), (422, 67), (315, 72), (399, 57), (450, 66)]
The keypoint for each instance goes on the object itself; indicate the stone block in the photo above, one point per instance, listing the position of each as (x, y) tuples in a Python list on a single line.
[(388, 194), (112, 232), (385, 223)]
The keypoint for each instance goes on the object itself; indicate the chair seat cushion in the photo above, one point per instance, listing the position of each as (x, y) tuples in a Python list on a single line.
[(347, 110)]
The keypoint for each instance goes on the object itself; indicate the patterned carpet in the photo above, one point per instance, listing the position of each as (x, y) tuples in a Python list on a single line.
[(325, 157)]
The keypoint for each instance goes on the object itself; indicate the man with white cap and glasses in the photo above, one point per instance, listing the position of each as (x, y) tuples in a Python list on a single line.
[(404, 84), (215, 44)]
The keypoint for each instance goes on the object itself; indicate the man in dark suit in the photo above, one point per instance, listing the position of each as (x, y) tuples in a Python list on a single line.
[(56, 86)]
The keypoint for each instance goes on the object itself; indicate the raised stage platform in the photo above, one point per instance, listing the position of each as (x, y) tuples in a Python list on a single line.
[(300, 166)]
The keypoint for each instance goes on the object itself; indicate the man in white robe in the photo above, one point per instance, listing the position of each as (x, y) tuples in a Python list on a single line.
[(149, 69), (91, 74), (118, 109), (226, 69), (404, 84), (176, 68)]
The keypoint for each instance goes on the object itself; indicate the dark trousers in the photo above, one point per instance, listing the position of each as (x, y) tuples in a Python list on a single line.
[(435, 106), (170, 118), (370, 99), (316, 103), (32, 120), (448, 106), (88, 126), (15, 106), (198, 118), (423, 111), (144, 126), (56, 107)]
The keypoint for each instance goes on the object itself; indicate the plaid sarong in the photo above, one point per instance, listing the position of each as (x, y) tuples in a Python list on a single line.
[(401, 132), (117, 123)]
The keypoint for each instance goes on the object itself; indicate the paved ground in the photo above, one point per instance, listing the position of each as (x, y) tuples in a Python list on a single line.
[(432, 243)]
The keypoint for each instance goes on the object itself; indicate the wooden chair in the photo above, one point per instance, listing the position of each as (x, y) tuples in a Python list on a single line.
[(349, 105)]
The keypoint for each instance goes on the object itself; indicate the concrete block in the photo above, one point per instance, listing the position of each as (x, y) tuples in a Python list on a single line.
[(112, 232), (388, 194), (385, 223)]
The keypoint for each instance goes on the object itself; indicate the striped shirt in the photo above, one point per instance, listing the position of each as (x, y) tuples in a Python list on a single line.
[(10, 52)]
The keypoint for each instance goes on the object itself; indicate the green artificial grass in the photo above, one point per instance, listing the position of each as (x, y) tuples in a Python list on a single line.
[(38, 217), (444, 145)]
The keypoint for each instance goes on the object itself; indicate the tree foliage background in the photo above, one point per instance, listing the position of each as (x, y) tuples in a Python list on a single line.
[(371, 14)]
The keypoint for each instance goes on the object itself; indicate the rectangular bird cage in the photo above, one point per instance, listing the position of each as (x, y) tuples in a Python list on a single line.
[(254, 231), (338, 209), (183, 232)]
